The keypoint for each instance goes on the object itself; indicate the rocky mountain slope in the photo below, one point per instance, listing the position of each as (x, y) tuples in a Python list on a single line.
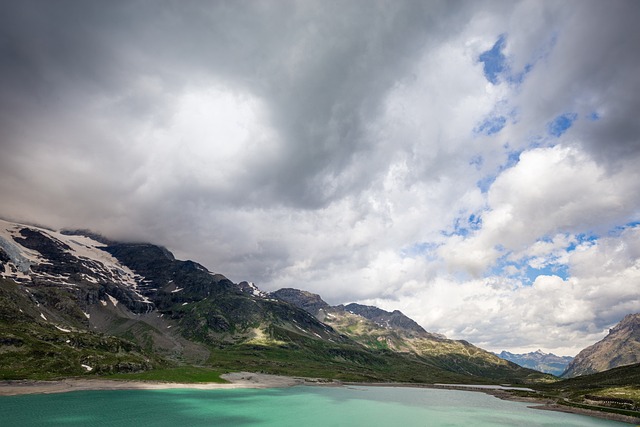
[(393, 331), (539, 360), (73, 303), (619, 348)]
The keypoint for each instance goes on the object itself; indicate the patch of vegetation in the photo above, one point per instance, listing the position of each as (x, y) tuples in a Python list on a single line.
[(33, 348), (314, 358), (622, 383), (629, 392), (622, 376), (181, 374), (40, 352), (444, 354)]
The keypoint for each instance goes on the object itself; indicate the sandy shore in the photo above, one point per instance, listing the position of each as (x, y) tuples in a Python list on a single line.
[(236, 380), (255, 380)]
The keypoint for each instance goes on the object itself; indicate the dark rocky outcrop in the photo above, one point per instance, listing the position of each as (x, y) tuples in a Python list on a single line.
[(620, 347)]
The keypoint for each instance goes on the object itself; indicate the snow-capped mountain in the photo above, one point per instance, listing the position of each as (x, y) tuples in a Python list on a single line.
[(30, 254)]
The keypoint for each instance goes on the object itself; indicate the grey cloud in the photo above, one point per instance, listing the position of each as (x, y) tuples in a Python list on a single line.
[(593, 67), (91, 91), (323, 69)]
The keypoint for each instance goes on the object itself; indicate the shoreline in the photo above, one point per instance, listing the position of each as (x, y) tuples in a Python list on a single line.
[(238, 380)]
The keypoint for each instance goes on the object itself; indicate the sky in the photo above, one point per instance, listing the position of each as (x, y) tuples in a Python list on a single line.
[(473, 164)]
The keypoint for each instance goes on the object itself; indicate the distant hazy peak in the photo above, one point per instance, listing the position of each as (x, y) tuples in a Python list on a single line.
[(539, 360)]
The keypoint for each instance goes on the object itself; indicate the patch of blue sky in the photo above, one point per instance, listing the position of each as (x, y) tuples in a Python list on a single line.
[(491, 125), (513, 157), (518, 78), (477, 161), (560, 270), (619, 229), (485, 183), (497, 119), (493, 60), (504, 269), (464, 226), (593, 116), (523, 271), (561, 124), (581, 239), (497, 67)]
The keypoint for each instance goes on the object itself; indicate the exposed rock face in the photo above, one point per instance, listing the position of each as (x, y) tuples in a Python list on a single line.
[(619, 348), (307, 301), (384, 318), (539, 360)]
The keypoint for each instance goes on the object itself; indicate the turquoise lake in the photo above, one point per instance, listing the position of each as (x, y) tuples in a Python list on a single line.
[(295, 406)]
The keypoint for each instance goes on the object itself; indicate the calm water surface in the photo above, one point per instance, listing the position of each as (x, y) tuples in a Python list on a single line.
[(295, 406)]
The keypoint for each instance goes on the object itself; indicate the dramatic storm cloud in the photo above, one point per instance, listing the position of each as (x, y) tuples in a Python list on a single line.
[(473, 164)]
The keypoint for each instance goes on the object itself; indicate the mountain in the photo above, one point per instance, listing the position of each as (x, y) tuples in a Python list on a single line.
[(619, 348), (385, 319), (539, 360), (309, 302), (378, 329), (74, 303)]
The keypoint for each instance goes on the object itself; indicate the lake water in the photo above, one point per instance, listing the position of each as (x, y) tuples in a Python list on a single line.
[(296, 406)]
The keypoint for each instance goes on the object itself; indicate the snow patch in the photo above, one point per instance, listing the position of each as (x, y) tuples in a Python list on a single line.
[(90, 251), (87, 367), (184, 303), (42, 315), (87, 315), (113, 300), (176, 290), (62, 329)]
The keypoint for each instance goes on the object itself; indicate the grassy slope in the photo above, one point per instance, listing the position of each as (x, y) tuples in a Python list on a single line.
[(622, 382), (32, 348), (461, 357)]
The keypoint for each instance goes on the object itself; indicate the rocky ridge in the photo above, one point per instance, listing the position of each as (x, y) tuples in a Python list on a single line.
[(379, 329), (620, 347)]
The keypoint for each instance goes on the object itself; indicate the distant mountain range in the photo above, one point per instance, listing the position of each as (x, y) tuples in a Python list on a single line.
[(73, 303), (539, 360), (620, 347)]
